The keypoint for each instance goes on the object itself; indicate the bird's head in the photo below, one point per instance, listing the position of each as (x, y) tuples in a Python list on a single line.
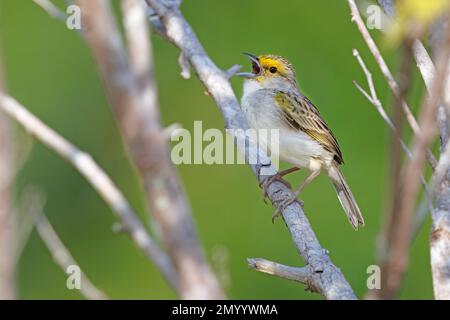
[(270, 71)]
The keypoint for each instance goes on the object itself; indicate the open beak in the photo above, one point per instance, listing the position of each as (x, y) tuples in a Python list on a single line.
[(255, 66)]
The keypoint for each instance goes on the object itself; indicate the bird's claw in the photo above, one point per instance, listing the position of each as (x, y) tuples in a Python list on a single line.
[(284, 204), (267, 181)]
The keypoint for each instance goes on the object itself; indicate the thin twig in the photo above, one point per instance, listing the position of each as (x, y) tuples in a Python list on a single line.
[(389, 232), (396, 155), (51, 9), (393, 85), (170, 23), (373, 99), (185, 66), (303, 275), (64, 259), (60, 254), (26, 223), (232, 70), (440, 239), (98, 179), (426, 68)]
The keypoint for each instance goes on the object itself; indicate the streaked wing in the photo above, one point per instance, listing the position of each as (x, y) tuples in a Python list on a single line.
[(301, 114)]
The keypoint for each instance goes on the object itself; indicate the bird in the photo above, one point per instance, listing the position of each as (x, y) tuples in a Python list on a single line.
[(272, 100)]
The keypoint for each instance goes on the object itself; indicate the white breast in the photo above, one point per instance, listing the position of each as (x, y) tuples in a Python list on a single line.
[(294, 146)]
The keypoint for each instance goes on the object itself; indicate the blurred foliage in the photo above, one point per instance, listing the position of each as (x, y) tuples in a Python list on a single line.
[(49, 69), (415, 15)]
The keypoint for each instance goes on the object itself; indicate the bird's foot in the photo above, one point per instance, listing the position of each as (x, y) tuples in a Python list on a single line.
[(267, 182), (284, 204)]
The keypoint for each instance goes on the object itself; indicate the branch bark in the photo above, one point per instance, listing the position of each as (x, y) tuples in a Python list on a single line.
[(59, 252), (303, 275), (64, 259), (168, 21), (132, 96)]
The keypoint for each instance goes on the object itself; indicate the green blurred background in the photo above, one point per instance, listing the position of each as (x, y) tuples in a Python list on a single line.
[(49, 69)]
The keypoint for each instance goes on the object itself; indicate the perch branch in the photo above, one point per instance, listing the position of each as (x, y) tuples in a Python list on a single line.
[(170, 23), (96, 177), (131, 92)]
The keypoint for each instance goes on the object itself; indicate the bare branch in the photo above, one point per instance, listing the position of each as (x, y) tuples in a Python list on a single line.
[(302, 275), (440, 238), (440, 235), (373, 99), (414, 167), (26, 223), (171, 24), (393, 85), (64, 259), (185, 66), (427, 70), (57, 249), (51, 9), (131, 91), (232, 71), (442, 166), (388, 239), (396, 158), (424, 63), (96, 177)]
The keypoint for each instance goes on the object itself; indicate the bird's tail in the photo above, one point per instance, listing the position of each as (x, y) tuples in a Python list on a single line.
[(345, 196)]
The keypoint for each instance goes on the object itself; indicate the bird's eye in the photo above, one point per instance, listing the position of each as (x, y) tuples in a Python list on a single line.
[(273, 69)]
